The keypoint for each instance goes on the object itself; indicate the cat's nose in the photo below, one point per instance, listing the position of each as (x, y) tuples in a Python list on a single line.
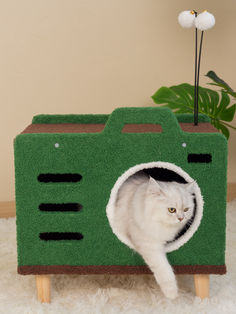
[(180, 219)]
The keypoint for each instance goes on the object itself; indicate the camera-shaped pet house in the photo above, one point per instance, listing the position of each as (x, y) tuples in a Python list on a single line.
[(69, 168)]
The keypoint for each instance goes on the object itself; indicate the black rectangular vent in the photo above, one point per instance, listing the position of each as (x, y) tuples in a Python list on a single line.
[(59, 177), (200, 158), (63, 207), (60, 236)]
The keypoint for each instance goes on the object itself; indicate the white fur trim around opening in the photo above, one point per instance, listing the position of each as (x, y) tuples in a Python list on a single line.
[(172, 246)]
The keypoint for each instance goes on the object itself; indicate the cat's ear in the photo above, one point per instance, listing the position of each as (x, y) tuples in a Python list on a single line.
[(154, 186)]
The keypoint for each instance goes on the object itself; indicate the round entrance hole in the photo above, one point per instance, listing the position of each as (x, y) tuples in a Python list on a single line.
[(162, 171)]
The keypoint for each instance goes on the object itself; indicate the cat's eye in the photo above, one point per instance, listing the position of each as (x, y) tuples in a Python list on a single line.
[(172, 210), (186, 209)]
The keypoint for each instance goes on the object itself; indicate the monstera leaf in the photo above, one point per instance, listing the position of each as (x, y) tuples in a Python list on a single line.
[(220, 83), (180, 98)]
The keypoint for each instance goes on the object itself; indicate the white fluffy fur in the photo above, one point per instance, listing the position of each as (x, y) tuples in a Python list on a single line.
[(186, 19), (142, 215), (113, 294), (111, 204), (204, 21)]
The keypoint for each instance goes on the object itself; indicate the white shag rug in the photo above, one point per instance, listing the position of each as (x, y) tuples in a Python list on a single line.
[(110, 294)]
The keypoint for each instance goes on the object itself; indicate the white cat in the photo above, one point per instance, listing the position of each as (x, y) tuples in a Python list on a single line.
[(150, 213)]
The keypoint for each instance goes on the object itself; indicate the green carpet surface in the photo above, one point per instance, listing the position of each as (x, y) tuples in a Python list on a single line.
[(100, 158)]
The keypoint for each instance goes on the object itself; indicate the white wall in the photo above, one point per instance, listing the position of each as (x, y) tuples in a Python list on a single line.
[(90, 56)]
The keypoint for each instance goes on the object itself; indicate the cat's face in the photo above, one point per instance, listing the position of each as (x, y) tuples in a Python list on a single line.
[(170, 203)]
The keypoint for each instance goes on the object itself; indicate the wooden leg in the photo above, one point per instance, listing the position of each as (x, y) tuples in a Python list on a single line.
[(43, 284), (201, 286)]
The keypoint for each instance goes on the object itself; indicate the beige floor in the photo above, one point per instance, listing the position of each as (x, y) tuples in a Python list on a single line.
[(116, 294), (8, 209)]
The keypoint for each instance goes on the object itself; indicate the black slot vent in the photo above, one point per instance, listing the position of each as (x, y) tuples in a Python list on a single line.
[(64, 207), (47, 236), (59, 177), (163, 174), (201, 158)]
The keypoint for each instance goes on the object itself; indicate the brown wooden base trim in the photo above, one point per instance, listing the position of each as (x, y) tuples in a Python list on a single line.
[(116, 269), (200, 269)]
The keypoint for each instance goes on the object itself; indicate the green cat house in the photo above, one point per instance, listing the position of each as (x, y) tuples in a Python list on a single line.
[(69, 168)]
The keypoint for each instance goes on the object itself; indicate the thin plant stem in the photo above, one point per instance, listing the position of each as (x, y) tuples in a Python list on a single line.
[(195, 76), (198, 71)]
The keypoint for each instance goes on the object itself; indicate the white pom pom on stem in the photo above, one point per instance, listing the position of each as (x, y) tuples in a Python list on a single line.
[(204, 21), (186, 19)]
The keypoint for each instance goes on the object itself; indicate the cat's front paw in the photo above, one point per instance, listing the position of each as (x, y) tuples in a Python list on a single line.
[(170, 289)]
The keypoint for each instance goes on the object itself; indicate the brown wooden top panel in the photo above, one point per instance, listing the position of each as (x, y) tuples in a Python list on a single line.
[(64, 128), (128, 128), (202, 127)]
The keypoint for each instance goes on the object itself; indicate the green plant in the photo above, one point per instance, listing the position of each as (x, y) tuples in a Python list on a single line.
[(214, 104), (220, 83)]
